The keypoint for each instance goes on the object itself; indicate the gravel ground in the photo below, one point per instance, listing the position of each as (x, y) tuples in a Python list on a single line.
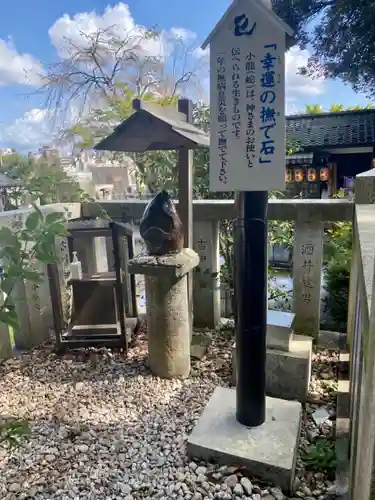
[(102, 428)]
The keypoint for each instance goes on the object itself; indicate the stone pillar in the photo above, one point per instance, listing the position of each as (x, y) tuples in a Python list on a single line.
[(101, 254), (307, 275), (86, 252), (5, 345), (32, 330), (206, 291), (167, 306), (364, 190), (364, 195)]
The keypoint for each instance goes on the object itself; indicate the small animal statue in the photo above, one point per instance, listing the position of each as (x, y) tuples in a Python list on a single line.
[(161, 227)]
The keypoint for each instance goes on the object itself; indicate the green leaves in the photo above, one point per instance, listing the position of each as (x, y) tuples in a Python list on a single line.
[(9, 317), (33, 221), (54, 217), (342, 43), (21, 249), (7, 237), (12, 432), (321, 456)]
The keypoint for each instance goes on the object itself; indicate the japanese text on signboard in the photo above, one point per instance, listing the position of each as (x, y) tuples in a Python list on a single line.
[(236, 92), (268, 117), (222, 118)]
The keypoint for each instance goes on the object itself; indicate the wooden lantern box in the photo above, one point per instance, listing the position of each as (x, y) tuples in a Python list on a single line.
[(100, 301)]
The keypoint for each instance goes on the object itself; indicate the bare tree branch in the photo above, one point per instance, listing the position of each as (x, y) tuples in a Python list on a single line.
[(106, 63)]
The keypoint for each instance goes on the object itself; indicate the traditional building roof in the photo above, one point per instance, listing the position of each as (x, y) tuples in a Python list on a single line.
[(330, 130)]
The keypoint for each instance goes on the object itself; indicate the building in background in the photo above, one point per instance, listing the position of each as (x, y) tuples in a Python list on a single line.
[(332, 149)]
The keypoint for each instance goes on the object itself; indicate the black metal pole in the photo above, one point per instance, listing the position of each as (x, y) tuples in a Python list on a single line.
[(251, 301)]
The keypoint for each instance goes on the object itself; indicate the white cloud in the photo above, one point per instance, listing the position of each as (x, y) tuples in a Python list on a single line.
[(115, 23), (183, 34), (28, 132), (17, 68), (292, 107), (35, 127), (202, 54), (297, 85)]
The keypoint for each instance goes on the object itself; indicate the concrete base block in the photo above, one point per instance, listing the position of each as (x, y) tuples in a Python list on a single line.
[(199, 345), (287, 373), (269, 451), (279, 329)]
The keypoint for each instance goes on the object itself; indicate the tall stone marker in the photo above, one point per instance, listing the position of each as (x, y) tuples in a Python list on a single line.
[(247, 96)]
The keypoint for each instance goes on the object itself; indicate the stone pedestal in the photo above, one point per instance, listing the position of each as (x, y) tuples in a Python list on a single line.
[(279, 329), (288, 373), (167, 310), (268, 451)]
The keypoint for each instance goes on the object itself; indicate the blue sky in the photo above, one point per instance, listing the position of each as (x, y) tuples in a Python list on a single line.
[(31, 33)]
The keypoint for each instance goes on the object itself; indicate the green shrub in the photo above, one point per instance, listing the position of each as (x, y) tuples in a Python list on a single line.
[(337, 257), (321, 457)]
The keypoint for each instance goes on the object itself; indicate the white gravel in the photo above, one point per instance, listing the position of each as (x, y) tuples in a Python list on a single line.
[(102, 428)]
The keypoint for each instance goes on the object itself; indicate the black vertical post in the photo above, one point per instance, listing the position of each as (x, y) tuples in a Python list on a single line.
[(251, 301)]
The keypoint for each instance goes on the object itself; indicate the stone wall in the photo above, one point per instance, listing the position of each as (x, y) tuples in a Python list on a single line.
[(361, 340), (308, 250), (33, 301)]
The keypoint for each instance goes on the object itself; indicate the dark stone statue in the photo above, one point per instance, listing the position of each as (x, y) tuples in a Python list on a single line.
[(161, 227)]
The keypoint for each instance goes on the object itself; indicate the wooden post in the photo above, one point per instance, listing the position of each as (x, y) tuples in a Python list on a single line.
[(185, 194), (185, 180)]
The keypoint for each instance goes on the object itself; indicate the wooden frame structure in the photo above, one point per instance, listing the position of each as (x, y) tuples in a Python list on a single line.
[(102, 309)]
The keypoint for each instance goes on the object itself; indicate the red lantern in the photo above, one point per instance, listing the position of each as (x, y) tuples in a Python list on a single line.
[(311, 174), (299, 175), (324, 174), (288, 175)]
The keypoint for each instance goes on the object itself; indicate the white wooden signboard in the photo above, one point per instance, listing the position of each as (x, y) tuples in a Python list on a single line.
[(247, 98)]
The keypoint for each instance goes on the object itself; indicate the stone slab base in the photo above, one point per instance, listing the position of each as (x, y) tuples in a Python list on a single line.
[(269, 451), (287, 373), (279, 329), (199, 345)]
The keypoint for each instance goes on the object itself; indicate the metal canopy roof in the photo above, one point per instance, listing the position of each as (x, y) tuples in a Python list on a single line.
[(153, 127)]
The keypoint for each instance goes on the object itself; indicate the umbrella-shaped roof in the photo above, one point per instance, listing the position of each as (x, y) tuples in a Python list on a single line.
[(153, 127)]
